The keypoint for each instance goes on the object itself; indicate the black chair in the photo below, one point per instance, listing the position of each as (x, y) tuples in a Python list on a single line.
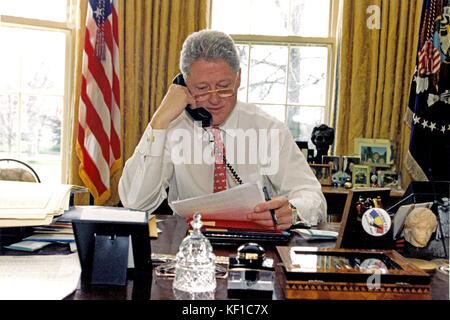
[(16, 170)]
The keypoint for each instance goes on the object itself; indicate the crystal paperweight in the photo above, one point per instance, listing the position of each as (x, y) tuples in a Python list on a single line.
[(195, 270)]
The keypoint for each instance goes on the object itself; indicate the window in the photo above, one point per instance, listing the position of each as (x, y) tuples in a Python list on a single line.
[(287, 51), (34, 84)]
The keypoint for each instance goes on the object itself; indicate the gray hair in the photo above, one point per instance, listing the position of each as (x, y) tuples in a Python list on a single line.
[(208, 45)]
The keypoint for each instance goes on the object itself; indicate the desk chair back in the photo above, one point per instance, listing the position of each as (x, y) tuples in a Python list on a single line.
[(16, 170)]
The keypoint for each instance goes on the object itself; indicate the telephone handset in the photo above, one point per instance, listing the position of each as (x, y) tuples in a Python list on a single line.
[(198, 114), (202, 115)]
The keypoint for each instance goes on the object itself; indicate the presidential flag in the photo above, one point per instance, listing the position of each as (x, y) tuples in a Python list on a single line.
[(98, 141), (428, 111)]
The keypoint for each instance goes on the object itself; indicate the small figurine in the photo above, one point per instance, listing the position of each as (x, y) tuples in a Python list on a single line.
[(374, 180), (378, 203)]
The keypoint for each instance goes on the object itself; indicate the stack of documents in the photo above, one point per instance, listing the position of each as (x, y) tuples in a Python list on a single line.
[(54, 232), (32, 204), (233, 204), (45, 235), (227, 210)]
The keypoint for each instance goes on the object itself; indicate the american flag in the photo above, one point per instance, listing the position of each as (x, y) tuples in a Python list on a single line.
[(98, 142)]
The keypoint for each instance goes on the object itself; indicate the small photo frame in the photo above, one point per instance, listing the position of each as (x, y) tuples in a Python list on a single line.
[(361, 176), (374, 152), (389, 179), (322, 173), (334, 161), (348, 162)]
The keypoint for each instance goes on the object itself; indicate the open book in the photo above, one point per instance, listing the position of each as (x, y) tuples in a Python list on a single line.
[(31, 204)]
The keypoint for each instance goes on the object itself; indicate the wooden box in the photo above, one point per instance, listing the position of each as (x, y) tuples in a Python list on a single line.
[(351, 274)]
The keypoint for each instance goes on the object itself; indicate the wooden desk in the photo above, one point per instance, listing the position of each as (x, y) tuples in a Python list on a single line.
[(160, 288), (153, 287)]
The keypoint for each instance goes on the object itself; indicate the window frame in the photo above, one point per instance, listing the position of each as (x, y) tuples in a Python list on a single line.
[(68, 29), (330, 42)]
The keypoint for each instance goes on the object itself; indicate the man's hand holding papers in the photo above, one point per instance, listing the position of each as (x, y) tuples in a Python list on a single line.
[(283, 212), (242, 206)]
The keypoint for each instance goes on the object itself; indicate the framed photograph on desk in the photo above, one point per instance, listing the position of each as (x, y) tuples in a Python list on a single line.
[(348, 162), (322, 173), (389, 179), (374, 152), (361, 176), (335, 161)]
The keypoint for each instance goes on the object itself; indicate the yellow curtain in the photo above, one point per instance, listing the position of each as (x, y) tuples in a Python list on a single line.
[(376, 66), (77, 61), (151, 34)]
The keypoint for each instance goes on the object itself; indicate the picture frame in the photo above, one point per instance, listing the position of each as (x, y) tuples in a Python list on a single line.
[(389, 179), (374, 152), (335, 162), (375, 172), (322, 172), (348, 162), (303, 146), (361, 176)]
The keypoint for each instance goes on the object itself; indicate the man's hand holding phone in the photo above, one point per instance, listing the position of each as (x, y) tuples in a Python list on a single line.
[(174, 102)]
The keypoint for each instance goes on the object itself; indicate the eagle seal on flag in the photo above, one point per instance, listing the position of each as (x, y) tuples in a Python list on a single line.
[(428, 110)]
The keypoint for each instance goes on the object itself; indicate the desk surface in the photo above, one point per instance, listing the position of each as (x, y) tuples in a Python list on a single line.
[(160, 288)]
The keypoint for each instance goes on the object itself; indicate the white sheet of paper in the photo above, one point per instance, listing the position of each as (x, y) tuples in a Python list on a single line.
[(101, 213), (47, 277), (232, 204)]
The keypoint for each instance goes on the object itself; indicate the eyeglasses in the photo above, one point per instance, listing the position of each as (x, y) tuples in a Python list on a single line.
[(223, 93)]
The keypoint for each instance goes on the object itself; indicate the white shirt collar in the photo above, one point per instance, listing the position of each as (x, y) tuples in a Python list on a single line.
[(228, 126), (231, 123)]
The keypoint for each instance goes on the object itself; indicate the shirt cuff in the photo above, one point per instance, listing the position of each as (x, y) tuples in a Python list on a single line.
[(306, 212), (152, 142)]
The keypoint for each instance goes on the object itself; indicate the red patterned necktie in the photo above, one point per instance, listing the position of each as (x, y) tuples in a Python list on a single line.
[(220, 181)]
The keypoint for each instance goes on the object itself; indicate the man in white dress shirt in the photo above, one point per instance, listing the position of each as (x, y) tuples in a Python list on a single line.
[(174, 153)]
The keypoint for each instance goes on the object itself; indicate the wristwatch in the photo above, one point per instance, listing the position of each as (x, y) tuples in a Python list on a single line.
[(294, 213)]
